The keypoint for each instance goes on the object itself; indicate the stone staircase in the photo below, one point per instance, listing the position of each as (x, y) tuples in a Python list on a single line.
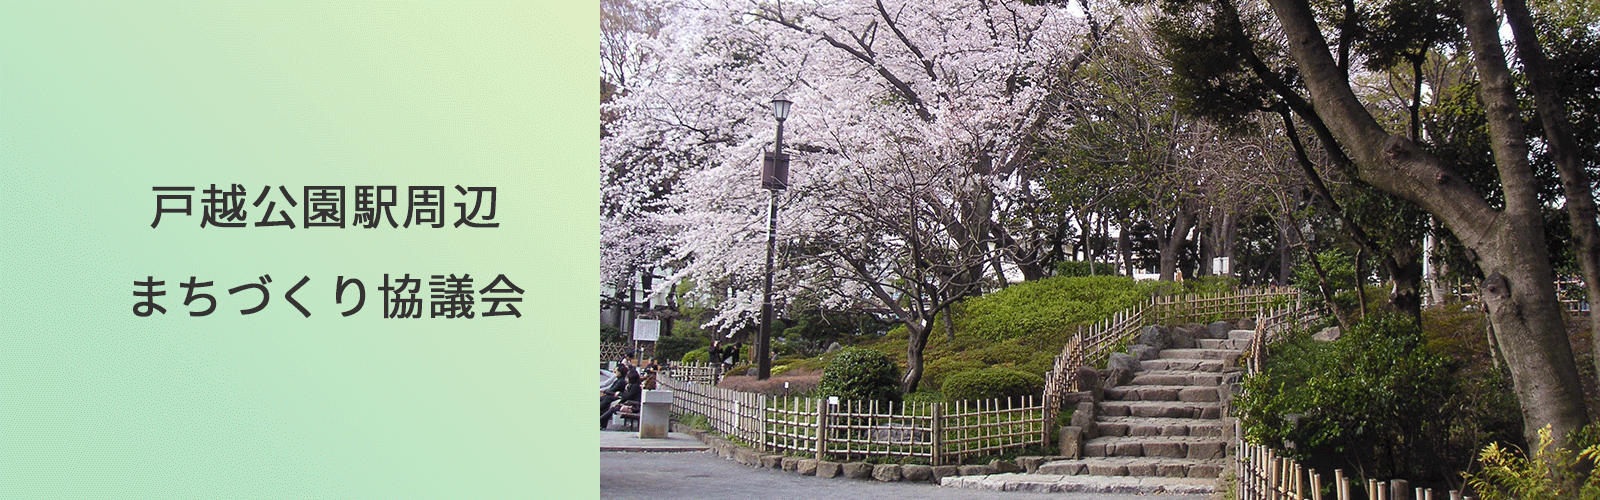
[(1161, 415)]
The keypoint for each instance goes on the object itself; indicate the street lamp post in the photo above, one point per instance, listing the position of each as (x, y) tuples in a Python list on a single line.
[(774, 178)]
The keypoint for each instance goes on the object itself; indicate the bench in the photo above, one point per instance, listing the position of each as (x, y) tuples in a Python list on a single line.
[(630, 415)]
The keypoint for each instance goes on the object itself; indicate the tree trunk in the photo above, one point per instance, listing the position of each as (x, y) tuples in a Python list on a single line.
[(1575, 182), (1125, 247), (916, 339), (1508, 244), (1177, 233)]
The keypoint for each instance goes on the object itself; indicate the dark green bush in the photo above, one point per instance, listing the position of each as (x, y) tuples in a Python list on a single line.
[(700, 355), (861, 374), (992, 383), (1375, 399)]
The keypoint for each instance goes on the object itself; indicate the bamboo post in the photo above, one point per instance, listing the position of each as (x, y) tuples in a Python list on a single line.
[(1341, 487), (822, 429), (937, 411), (1316, 485)]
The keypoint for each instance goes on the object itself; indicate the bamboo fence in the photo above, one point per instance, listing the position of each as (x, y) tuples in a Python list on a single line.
[(831, 429)]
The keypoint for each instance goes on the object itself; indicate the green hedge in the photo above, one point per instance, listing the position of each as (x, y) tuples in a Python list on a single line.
[(700, 355), (861, 374), (992, 383)]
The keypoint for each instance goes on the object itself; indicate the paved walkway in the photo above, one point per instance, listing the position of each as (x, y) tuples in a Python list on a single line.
[(703, 475), (616, 439)]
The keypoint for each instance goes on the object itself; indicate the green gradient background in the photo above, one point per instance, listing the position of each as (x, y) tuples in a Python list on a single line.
[(101, 101)]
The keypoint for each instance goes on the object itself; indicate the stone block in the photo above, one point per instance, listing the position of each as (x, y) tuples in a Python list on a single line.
[(1004, 467), (887, 473), (1165, 449), (1105, 469), (1062, 468), (1207, 450), (771, 461), (1198, 394), (1173, 470), (976, 470), (1127, 449), (1142, 469), (1094, 448), (1117, 377), (828, 469), (806, 467), (856, 470), (1070, 446), (917, 473), (1205, 470), (791, 463), (747, 457), (943, 471), (1174, 430)]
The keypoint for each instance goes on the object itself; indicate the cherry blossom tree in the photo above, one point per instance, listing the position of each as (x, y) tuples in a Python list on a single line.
[(914, 124)]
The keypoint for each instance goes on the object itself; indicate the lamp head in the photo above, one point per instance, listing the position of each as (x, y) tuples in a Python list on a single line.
[(780, 108)]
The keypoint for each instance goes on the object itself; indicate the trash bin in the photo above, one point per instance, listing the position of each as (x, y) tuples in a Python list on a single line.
[(655, 407)]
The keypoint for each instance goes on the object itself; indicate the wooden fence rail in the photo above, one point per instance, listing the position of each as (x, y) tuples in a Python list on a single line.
[(828, 428)]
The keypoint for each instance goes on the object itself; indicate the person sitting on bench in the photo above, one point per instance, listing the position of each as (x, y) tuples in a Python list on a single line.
[(627, 392)]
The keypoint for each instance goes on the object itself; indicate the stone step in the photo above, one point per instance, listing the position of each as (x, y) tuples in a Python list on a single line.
[(1226, 356), (1202, 365), (1195, 394), (1242, 334), (1138, 426), (1057, 483), (1190, 447), (1234, 344), (1136, 466), (1160, 409), (1183, 377)]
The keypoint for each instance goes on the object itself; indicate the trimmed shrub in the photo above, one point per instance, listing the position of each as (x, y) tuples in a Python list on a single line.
[(861, 374), (992, 383), (700, 355), (1079, 269)]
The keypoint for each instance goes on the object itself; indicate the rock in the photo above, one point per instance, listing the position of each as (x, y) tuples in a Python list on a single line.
[(1155, 336), (1071, 399), (1183, 339), (1089, 381), (1143, 352), (1071, 444), (1118, 377), (771, 461), (1247, 324), (976, 470), (807, 467), (856, 470), (834, 347), (1124, 361), (1328, 334), (1004, 467), (916, 473), (791, 463), (887, 473), (943, 471), (1219, 329), (1030, 463), (746, 456), (828, 469)]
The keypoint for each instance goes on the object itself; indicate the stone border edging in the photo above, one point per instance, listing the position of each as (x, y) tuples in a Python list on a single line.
[(730, 450)]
